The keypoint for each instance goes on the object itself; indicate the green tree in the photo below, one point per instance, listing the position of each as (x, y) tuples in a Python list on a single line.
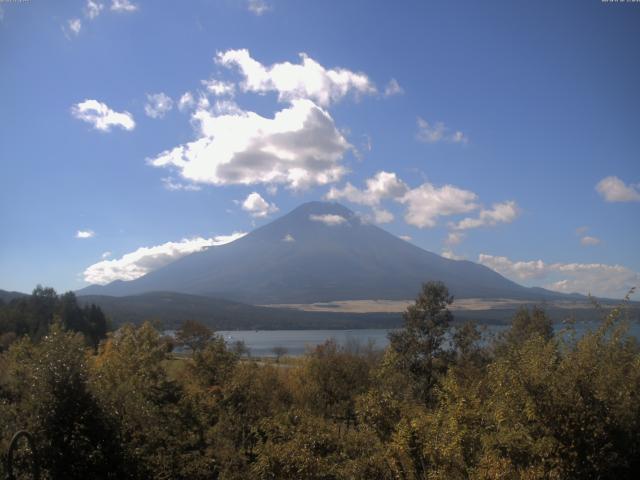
[(48, 386), (418, 346), (194, 335)]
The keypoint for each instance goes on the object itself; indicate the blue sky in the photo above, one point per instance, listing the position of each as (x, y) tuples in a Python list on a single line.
[(501, 132)]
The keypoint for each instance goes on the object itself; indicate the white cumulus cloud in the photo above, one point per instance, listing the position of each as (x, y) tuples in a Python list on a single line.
[(101, 116), (146, 259), (427, 202), (381, 186), (330, 219), (596, 278), (158, 104), (299, 147), (612, 189), (306, 80), (438, 132), (257, 206), (505, 212)]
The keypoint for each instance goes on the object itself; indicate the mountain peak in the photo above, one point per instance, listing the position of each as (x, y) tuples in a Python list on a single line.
[(323, 208)]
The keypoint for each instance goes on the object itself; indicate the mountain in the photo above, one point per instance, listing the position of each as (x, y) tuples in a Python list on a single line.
[(319, 252), (6, 296)]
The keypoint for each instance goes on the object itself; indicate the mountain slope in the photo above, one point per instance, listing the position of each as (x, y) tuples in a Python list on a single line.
[(300, 259)]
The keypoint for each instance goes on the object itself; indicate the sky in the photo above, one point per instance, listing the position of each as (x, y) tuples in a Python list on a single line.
[(505, 133)]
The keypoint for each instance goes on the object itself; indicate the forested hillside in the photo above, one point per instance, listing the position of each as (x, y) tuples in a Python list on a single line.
[(523, 405)]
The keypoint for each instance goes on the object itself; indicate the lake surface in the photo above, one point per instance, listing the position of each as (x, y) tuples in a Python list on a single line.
[(297, 342)]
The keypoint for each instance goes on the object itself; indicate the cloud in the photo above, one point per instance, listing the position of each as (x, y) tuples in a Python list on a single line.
[(424, 204), (219, 88), (454, 238), (101, 116), (393, 88), (505, 212), (328, 219), (596, 278), (74, 25), (146, 259), (257, 206), (589, 241), (92, 9), (380, 215), (299, 147), (406, 238), (438, 132), (448, 253), (427, 202), (306, 80), (258, 7), (379, 187), (158, 104), (85, 234), (186, 101), (612, 189), (288, 238), (105, 255), (121, 6), (173, 186)]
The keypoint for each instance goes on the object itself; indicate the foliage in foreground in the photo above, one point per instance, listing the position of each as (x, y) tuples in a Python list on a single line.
[(439, 403)]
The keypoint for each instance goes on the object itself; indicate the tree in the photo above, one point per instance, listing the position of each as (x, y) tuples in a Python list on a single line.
[(418, 346), (526, 324), (194, 335), (48, 382), (279, 352)]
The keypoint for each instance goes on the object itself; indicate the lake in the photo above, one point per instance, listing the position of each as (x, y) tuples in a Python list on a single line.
[(261, 342)]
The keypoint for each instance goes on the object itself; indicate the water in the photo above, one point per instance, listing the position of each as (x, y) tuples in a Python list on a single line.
[(261, 342)]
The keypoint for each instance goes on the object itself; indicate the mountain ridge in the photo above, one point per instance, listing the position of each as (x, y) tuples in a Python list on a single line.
[(318, 252)]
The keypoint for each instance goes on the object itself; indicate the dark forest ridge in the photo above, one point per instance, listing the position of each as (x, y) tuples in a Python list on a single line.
[(320, 252)]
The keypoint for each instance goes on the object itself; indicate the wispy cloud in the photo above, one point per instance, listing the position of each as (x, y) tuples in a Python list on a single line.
[(146, 259), (438, 132), (123, 6), (588, 241), (258, 7), (596, 278), (158, 104), (329, 219), (393, 88)]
